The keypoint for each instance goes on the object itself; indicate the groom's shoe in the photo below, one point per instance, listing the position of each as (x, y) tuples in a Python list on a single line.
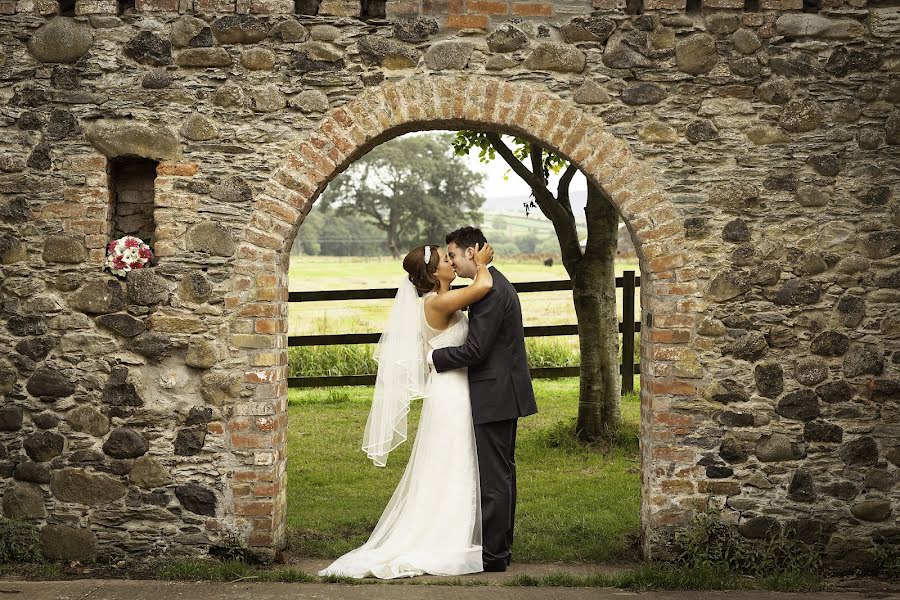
[(509, 559), (495, 566)]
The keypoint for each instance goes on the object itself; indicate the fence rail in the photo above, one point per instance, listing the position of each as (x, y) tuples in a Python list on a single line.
[(628, 327)]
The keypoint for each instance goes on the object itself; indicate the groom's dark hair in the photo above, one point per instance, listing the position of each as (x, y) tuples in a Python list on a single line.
[(467, 237)]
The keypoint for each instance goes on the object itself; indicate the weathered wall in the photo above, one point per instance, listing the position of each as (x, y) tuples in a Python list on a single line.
[(760, 182)]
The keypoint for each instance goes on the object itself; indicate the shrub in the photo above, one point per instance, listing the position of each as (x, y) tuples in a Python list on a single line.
[(19, 542)]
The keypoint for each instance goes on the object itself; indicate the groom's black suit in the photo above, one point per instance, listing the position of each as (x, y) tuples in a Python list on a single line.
[(500, 391)]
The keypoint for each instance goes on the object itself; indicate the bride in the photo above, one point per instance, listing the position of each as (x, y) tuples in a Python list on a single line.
[(432, 523)]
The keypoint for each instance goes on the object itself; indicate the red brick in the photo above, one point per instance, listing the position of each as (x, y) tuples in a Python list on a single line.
[(674, 388), (487, 7), (533, 9), (670, 336), (177, 169), (245, 476), (268, 326), (250, 441), (722, 488), (254, 508), (467, 21)]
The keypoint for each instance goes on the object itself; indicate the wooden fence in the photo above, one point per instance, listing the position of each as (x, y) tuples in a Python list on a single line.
[(628, 327)]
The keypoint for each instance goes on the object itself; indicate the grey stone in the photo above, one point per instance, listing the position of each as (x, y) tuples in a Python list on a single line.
[(590, 92), (324, 32), (22, 325), (61, 125), (812, 196), (149, 49), (587, 29), (802, 405), (769, 379), (736, 419), (43, 446), (66, 249), (862, 451), (872, 510), (448, 54), (189, 441), (125, 443), (146, 288), (415, 30), (820, 431), (643, 93), (801, 488), (747, 67), (239, 29), (863, 359), (266, 99), (317, 56), (61, 40), (696, 54), (892, 129), (49, 382), (84, 487), (217, 388), (118, 391), (258, 59), (814, 25), (777, 447), (116, 137), (746, 41), (229, 95), (842, 61), (722, 23), (33, 472), (390, 54), (728, 285), (154, 346), (736, 231), (10, 418), (196, 499), (881, 244), (194, 287), (40, 158), (801, 115), (203, 57), (156, 79), (289, 32), (87, 419), (98, 296), (24, 502), (199, 128), (835, 391), (506, 38), (45, 420), (553, 56), (828, 165), (64, 543), (796, 292), (122, 324), (701, 130), (750, 347), (212, 238), (310, 101), (775, 90), (199, 415), (880, 479), (830, 343), (232, 189), (201, 354), (759, 527), (732, 452), (623, 51), (148, 473), (810, 370), (185, 29), (875, 195), (727, 391), (780, 182)]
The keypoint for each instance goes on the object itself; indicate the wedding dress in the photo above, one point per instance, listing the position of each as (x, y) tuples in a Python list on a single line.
[(432, 523)]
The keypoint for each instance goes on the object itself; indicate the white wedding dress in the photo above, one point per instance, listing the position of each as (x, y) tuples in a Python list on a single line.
[(432, 523)]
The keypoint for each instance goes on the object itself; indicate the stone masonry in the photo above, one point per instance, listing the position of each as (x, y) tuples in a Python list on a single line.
[(753, 151)]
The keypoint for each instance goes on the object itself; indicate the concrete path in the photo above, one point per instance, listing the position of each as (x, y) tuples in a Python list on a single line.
[(109, 589)]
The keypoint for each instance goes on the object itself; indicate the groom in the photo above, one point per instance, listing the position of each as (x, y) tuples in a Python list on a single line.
[(500, 391)]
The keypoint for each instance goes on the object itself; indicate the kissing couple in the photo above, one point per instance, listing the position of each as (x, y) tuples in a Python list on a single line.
[(453, 511)]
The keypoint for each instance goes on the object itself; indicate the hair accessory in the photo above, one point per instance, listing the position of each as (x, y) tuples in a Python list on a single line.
[(427, 254)]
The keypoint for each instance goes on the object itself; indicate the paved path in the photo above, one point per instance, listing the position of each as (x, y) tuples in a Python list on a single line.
[(113, 589)]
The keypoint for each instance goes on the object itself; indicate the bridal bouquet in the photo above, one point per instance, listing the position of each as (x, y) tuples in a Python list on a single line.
[(127, 253)]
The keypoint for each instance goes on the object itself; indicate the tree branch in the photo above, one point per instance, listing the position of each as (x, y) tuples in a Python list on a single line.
[(562, 189)]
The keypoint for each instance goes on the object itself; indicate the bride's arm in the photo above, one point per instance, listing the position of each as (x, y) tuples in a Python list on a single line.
[(447, 304)]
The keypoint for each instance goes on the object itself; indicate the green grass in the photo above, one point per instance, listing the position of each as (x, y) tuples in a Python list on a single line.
[(363, 316), (575, 503)]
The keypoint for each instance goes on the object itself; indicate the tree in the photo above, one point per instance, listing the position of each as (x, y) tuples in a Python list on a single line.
[(414, 189), (591, 270)]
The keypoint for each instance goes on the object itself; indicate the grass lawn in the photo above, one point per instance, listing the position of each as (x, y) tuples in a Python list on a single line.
[(309, 273), (575, 504)]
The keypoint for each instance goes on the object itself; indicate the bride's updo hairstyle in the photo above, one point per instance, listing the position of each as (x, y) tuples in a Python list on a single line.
[(422, 275)]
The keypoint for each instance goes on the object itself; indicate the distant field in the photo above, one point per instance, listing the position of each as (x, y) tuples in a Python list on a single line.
[(308, 273)]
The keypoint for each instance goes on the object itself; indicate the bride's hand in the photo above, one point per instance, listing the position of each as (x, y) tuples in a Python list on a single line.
[(484, 255)]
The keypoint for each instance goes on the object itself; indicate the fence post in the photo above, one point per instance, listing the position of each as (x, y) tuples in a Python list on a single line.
[(627, 332)]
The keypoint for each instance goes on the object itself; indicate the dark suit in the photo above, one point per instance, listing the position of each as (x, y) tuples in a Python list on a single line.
[(500, 391)]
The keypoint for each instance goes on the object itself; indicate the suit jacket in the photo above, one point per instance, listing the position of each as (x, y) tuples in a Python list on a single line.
[(494, 352)]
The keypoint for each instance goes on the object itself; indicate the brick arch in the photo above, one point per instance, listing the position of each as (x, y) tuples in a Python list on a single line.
[(257, 431)]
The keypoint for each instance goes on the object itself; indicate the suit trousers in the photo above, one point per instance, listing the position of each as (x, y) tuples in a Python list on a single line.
[(496, 443)]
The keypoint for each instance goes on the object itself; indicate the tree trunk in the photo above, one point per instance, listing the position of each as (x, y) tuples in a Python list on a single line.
[(594, 295)]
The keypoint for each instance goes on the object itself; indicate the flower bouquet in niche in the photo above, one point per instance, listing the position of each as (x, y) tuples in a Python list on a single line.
[(126, 254)]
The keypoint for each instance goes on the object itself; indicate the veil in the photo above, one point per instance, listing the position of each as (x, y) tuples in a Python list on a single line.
[(401, 374)]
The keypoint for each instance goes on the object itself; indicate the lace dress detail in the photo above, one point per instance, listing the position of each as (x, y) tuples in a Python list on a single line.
[(432, 523)]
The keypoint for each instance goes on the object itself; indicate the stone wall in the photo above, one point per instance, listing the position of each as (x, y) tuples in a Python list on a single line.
[(753, 155)]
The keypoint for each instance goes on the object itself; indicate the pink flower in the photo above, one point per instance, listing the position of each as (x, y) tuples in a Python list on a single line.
[(145, 253), (136, 264), (131, 242), (111, 247), (118, 262)]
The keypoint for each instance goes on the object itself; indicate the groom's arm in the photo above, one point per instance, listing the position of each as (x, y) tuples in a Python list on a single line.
[(484, 323)]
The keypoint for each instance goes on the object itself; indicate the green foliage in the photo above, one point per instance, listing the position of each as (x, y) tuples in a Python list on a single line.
[(521, 148), (413, 188), (19, 542), (888, 558), (710, 542), (331, 361), (325, 232), (551, 352)]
